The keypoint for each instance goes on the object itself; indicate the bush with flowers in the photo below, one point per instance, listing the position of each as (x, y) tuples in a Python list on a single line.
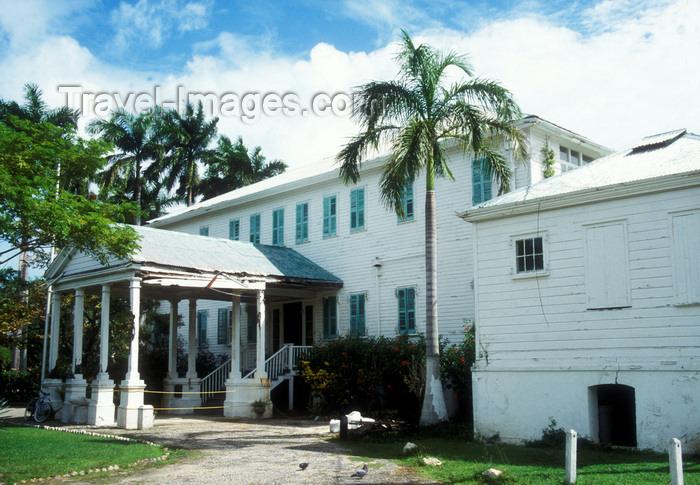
[(381, 376)]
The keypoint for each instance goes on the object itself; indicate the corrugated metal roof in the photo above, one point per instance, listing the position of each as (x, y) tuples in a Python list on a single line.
[(680, 156), (202, 253)]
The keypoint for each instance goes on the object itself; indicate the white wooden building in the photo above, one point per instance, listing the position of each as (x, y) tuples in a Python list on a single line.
[(588, 301), (347, 232)]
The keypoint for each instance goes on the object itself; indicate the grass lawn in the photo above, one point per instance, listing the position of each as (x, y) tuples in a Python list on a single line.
[(38, 453), (464, 462)]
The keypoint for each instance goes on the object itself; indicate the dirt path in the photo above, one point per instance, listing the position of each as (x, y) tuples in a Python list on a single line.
[(251, 452)]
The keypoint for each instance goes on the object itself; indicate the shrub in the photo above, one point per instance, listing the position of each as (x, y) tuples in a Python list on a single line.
[(19, 387)]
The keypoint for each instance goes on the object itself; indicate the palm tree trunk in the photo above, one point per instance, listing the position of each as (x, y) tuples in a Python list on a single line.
[(434, 410)]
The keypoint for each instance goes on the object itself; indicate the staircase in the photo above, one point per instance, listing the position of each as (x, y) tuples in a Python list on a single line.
[(279, 368)]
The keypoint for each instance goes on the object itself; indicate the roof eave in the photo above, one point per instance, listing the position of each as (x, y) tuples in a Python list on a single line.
[(585, 196)]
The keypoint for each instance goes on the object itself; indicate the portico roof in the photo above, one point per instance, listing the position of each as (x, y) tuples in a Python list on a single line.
[(174, 264)]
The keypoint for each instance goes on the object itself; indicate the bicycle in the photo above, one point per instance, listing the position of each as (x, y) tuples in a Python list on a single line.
[(40, 408)]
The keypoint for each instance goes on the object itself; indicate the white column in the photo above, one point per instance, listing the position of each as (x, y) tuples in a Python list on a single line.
[(172, 341), (260, 354), (192, 341), (235, 338), (132, 373), (570, 467), (55, 329), (104, 333), (78, 330), (675, 460)]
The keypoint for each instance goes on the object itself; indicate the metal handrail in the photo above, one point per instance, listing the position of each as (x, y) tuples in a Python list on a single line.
[(281, 361), (215, 381)]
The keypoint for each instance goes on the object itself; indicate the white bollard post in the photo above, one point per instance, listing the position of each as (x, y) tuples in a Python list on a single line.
[(570, 457), (675, 459)]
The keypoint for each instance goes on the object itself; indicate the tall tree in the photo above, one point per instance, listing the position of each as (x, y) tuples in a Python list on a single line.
[(232, 167), (137, 139), (189, 135), (416, 115), (35, 110)]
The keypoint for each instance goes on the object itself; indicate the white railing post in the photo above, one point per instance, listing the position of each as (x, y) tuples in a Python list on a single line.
[(675, 459), (570, 477)]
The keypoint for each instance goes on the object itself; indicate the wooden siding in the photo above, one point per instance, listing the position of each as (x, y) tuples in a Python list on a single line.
[(546, 322)]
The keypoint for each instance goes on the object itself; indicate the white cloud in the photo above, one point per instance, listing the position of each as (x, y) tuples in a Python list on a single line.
[(156, 21), (635, 74)]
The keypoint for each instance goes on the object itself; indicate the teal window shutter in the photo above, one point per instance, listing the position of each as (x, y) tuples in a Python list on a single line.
[(202, 328), (329, 211), (255, 228), (252, 312), (234, 229), (222, 326), (407, 203), (204, 231), (357, 314), (302, 225), (278, 227), (481, 182), (330, 323), (407, 310), (357, 209)]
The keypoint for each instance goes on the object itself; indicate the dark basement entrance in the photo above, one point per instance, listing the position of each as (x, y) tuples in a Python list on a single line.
[(617, 418)]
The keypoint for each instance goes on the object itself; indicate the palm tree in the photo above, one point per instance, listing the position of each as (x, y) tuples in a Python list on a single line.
[(35, 109), (189, 135), (416, 115), (137, 139), (232, 167)]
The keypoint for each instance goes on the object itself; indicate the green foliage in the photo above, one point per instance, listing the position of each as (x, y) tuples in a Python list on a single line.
[(548, 160), (19, 387), (38, 211), (381, 375), (368, 374), (555, 437)]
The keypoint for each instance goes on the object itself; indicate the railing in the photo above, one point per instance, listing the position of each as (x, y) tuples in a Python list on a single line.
[(215, 381), (281, 361)]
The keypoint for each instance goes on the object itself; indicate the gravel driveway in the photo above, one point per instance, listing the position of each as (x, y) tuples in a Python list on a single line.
[(251, 452)]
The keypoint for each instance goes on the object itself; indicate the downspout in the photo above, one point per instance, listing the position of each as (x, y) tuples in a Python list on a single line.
[(378, 266)]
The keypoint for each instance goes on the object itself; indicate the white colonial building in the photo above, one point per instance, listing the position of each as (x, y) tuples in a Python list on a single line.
[(587, 290), (259, 311)]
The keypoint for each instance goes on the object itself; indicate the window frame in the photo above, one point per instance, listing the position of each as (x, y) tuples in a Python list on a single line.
[(533, 273), (479, 181), (278, 226), (358, 217), (407, 202), (202, 328), (254, 228), (330, 317), (358, 314), (301, 233), (592, 282), (234, 229), (685, 285), (406, 316), (330, 216)]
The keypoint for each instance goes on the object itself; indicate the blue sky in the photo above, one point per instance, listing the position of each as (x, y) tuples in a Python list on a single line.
[(611, 70)]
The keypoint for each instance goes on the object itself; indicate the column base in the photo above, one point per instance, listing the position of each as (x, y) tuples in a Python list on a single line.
[(53, 387), (241, 393), (189, 398), (101, 409), (75, 408), (132, 413)]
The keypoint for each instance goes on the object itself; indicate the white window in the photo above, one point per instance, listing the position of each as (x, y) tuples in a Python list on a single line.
[(571, 159), (530, 257), (606, 266), (685, 232)]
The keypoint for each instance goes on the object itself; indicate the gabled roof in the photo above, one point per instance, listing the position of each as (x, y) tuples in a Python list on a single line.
[(658, 162), (171, 250)]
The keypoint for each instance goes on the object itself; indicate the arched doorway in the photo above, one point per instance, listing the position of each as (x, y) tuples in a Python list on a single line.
[(613, 414)]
